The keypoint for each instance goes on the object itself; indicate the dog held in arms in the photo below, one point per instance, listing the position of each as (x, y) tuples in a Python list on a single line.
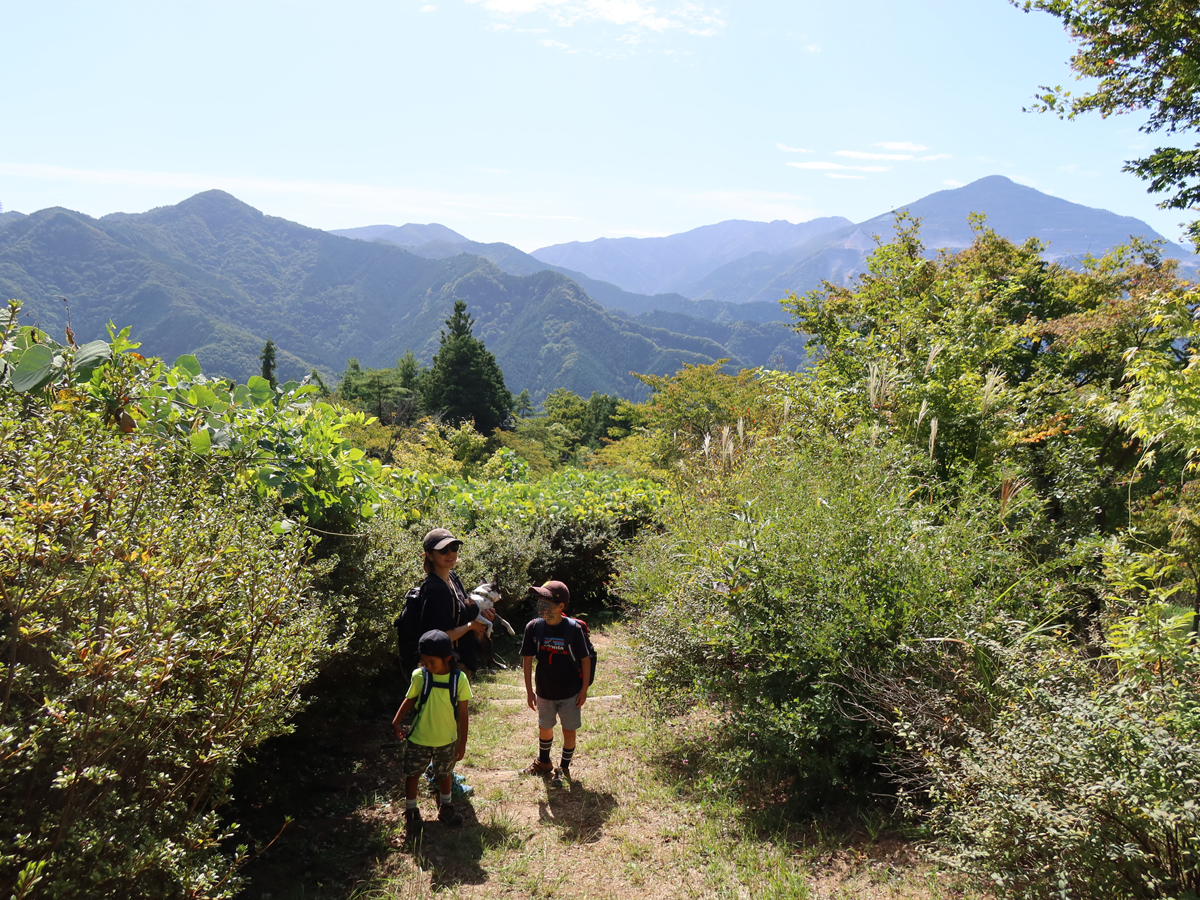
[(486, 596)]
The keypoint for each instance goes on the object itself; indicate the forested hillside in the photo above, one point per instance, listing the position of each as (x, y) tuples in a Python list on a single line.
[(215, 278)]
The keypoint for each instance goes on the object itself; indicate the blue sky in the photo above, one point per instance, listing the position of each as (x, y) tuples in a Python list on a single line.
[(540, 121)]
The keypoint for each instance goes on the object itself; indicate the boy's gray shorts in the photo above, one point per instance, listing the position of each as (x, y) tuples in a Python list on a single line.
[(564, 710), (417, 757)]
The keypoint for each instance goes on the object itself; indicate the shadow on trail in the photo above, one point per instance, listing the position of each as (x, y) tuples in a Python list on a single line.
[(577, 811), (453, 856), (313, 807), (321, 809)]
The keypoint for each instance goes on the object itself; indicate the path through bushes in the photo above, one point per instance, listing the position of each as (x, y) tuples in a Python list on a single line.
[(637, 822)]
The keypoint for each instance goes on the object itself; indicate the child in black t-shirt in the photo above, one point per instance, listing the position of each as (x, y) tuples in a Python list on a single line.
[(562, 677)]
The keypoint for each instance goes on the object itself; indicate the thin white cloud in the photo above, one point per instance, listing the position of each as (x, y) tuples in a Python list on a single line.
[(934, 157), (688, 16), (550, 42), (901, 145), (813, 48), (520, 215), (858, 154), (833, 165), (428, 8), (786, 149), (840, 175), (950, 182), (363, 197)]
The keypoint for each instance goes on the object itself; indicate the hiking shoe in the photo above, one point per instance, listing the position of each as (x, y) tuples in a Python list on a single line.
[(556, 780), (413, 826), (537, 767), (448, 816)]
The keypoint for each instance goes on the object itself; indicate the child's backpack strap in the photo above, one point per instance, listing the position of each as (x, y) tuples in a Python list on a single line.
[(427, 686), (582, 625)]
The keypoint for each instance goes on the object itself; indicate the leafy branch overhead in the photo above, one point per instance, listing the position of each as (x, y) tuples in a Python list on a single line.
[(1145, 57)]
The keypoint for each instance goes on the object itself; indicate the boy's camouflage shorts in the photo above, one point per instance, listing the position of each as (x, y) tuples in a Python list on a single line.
[(417, 758)]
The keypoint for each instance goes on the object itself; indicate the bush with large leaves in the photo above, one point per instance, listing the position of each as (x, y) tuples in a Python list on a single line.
[(154, 628)]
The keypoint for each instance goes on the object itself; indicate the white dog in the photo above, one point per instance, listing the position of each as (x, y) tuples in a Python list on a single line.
[(486, 596)]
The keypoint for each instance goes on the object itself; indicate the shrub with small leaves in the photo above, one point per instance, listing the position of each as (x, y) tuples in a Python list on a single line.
[(1077, 785), (154, 628)]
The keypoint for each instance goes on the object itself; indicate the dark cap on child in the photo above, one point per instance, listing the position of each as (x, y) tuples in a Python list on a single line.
[(435, 643), (554, 591)]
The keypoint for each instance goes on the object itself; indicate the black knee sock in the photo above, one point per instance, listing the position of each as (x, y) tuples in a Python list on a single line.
[(567, 753), (544, 750)]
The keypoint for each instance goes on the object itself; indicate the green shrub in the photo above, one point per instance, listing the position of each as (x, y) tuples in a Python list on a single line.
[(767, 595), (154, 629), (571, 525), (1079, 785)]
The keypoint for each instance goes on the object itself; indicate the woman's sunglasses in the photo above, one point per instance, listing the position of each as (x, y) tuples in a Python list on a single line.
[(453, 548)]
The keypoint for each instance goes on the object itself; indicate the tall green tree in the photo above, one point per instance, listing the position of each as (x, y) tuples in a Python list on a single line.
[(1145, 55), (267, 356), (524, 404), (392, 395), (465, 382), (411, 376), (588, 420)]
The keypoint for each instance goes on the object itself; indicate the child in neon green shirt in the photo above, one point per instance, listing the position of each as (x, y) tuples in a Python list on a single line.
[(439, 732)]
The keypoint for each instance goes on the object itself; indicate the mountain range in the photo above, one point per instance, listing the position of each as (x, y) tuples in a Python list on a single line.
[(740, 270), (1069, 231), (215, 277)]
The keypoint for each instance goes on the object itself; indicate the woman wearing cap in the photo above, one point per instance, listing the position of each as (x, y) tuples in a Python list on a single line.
[(445, 604)]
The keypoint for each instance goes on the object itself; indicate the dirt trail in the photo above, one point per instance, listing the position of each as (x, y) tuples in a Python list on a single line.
[(621, 829)]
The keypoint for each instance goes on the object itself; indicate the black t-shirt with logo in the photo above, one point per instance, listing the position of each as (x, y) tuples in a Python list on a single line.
[(557, 674)]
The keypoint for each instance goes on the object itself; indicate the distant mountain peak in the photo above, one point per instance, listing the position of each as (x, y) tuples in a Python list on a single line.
[(410, 235), (661, 265), (214, 206)]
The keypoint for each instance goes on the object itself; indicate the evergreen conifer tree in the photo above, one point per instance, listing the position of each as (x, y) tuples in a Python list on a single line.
[(465, 382), (268, 362), (524, 404)]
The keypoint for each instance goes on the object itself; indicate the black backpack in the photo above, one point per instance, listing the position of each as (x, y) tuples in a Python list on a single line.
[(539, 632), (409, 722), (406, 625)]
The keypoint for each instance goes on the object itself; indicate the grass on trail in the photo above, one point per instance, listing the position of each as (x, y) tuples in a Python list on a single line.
[(628, 826)]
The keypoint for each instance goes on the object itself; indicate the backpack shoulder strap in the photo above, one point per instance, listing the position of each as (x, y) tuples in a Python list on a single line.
[(539, 632), (454, 683), (426, 688), (574, 623), (459, 595)]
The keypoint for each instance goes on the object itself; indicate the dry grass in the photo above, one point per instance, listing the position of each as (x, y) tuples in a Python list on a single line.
[(623, 829)]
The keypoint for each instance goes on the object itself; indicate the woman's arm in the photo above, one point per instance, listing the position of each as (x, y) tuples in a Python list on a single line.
[(438, 609)]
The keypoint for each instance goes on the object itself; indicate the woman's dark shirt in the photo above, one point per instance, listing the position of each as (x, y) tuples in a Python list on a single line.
[(446, 609)]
